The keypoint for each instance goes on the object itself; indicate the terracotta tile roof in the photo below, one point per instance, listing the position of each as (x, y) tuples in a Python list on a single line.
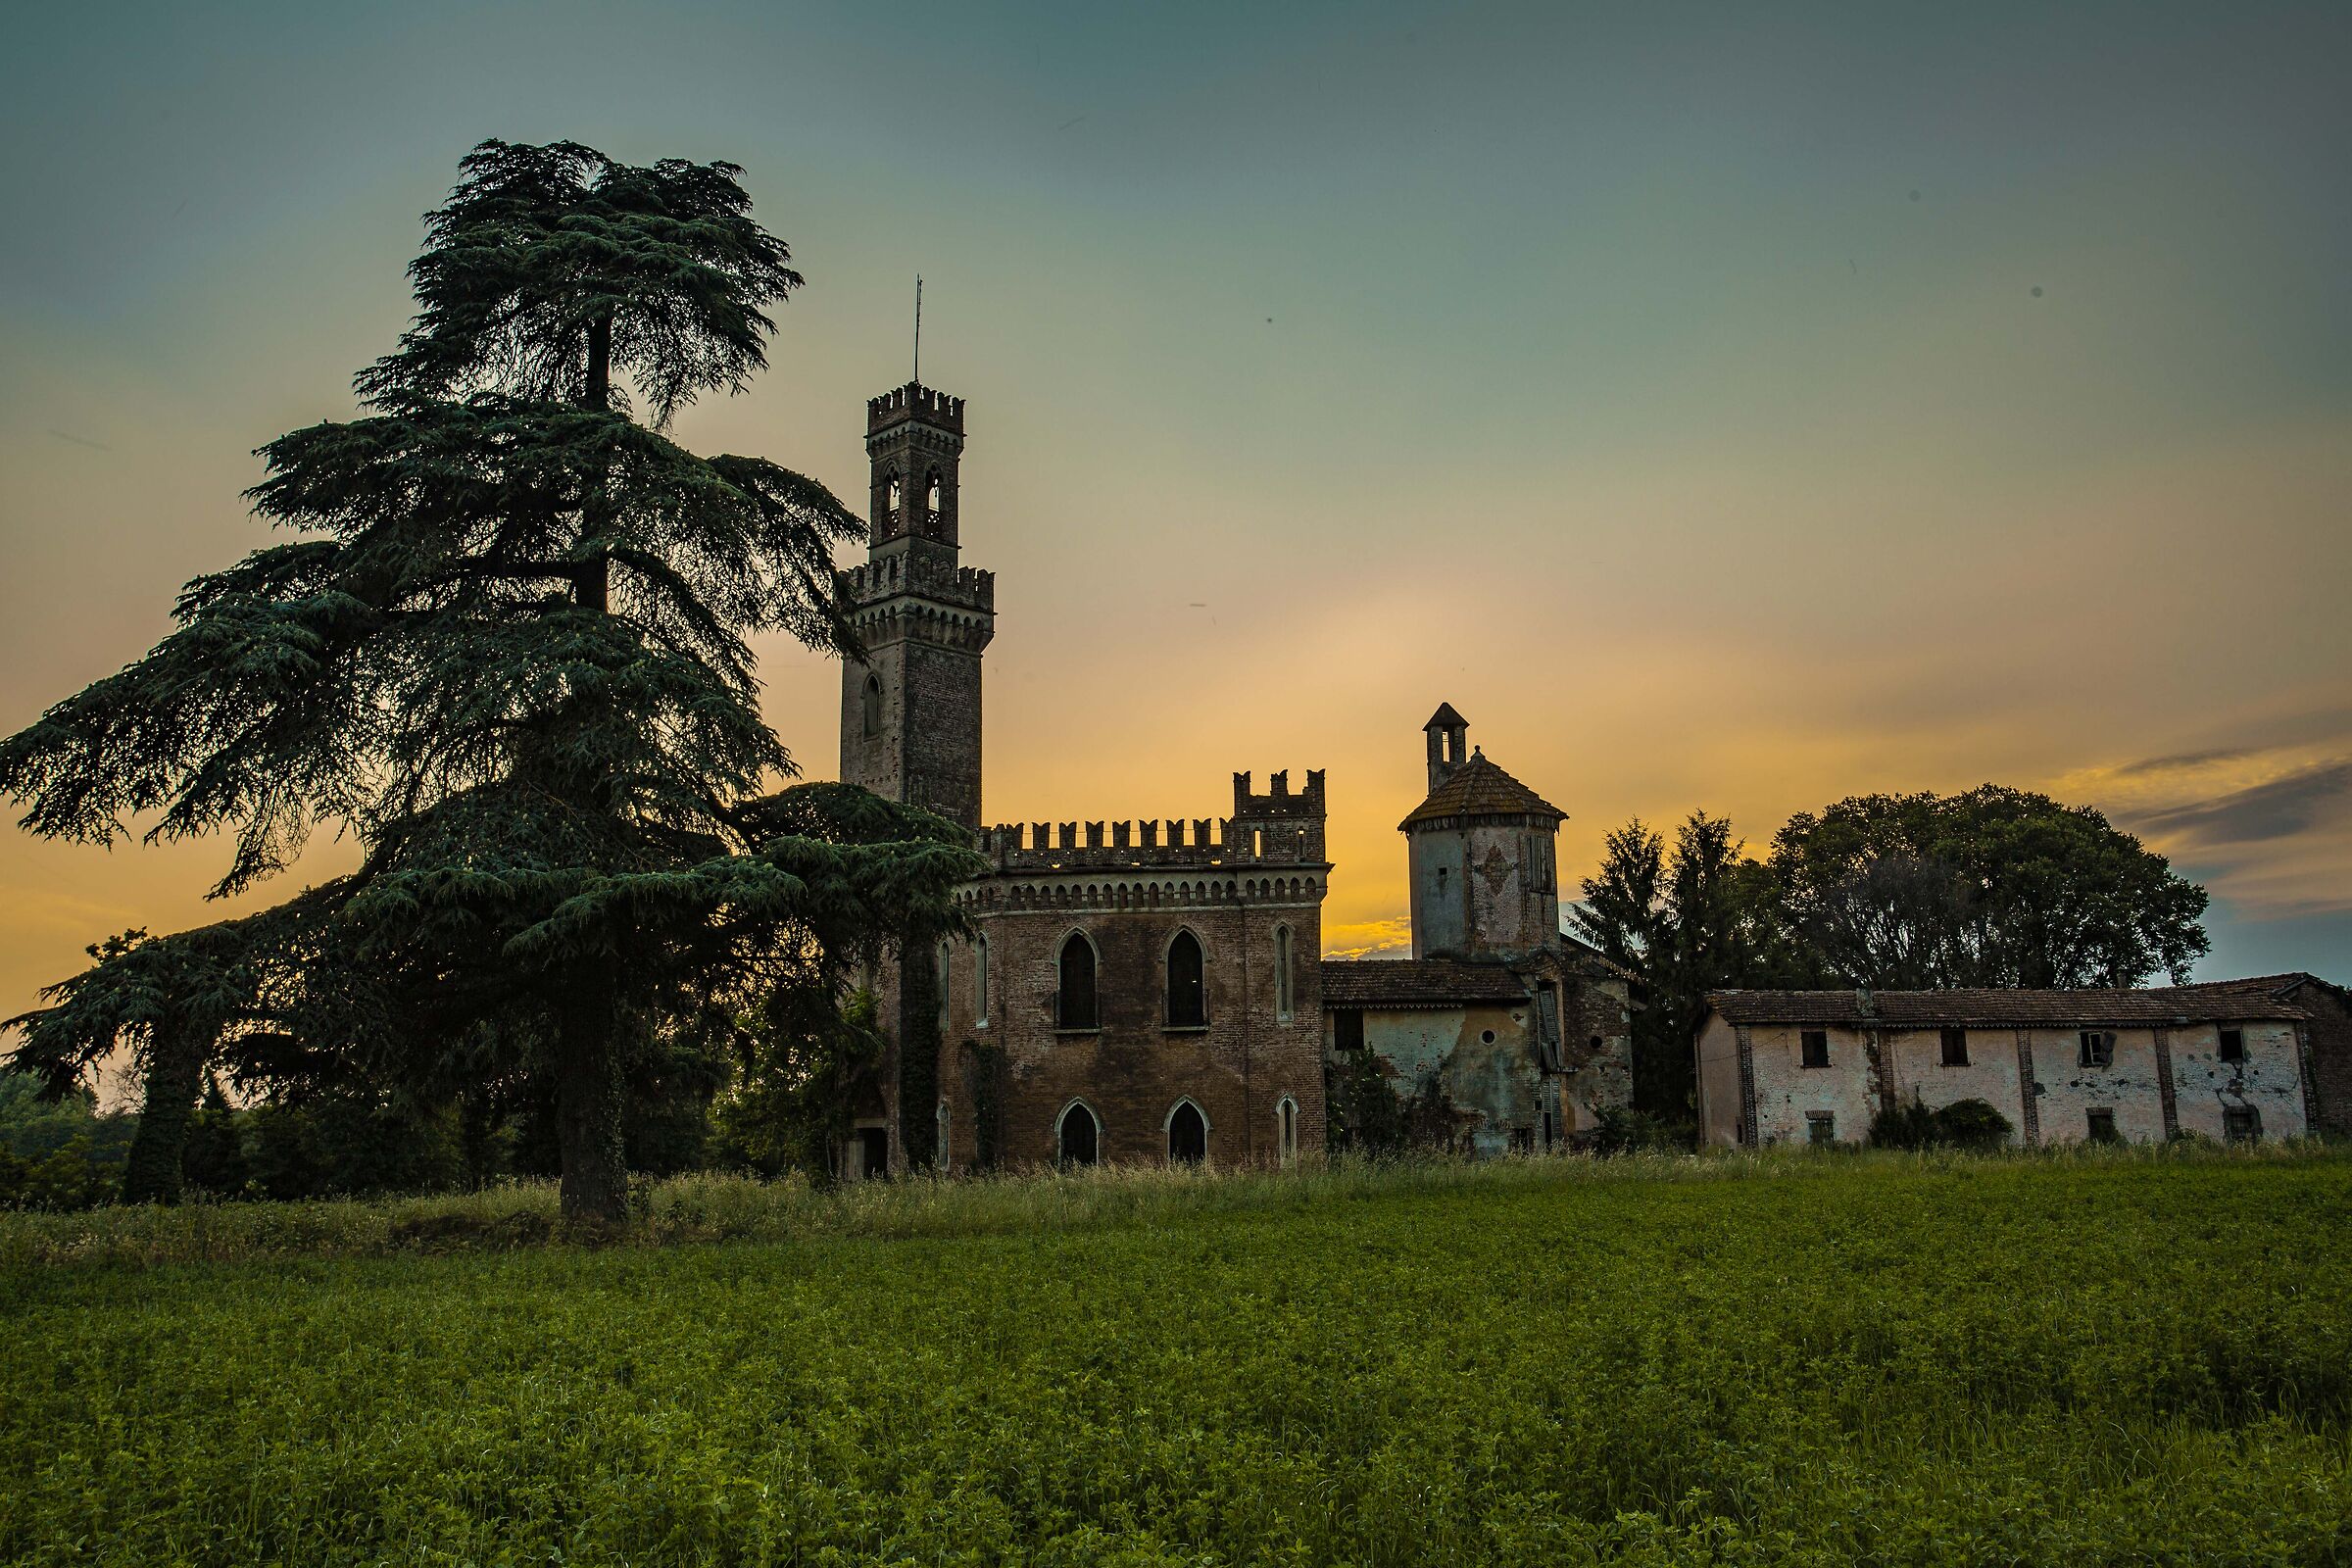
[(1417, 983), (2226, 1000), (1594, 959), (1478, 788)]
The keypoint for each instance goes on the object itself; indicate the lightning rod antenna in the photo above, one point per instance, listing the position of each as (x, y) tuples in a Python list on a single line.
[(919, 330)]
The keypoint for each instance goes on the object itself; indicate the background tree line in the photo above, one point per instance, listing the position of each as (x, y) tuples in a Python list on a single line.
[(1995, 888)]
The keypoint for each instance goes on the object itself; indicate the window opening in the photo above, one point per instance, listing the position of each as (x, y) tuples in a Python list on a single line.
[(1348, 1029), (1188, 1135), (1955, 1047), (939, 1142), (2241, 1124), (1816, 1046), (1077, 995), (2100, 1124), (1078, 1138), (1286, 1124), (872, 1153), (871, 709), (1821, 1128), (2098, 1049), (1188, 1008), (940, 979), (980, 982), (2234, 1045), (1282, 971)]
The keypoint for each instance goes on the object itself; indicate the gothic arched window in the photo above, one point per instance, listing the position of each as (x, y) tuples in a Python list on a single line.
[(1188, 1134), (1077, 996), (869, 711), (980, 981), (1286, 1130), (898, 499), (1078, 1137), (931, 501), (1187, 1006)]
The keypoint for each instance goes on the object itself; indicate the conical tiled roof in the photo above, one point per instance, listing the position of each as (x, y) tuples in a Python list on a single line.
[(1478, 788)]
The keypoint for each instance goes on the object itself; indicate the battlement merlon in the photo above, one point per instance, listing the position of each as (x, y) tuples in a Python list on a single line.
[(913, 402), (962, 587), (1278, 801)]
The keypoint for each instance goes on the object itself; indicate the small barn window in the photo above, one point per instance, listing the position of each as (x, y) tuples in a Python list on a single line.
[(2241, 1124), (1188, 1135), (1348, 1029), (2234, 1045), (1821, 1128), (2099, 1124), (1282, 971), (1076, 999), (1188, 1008), (1078, 1140), (2097, 1049), (1815, 1045), (869, 709), (1955, 1047)]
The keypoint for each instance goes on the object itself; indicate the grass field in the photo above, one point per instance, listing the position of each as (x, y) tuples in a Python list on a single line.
[(1879, 1359)]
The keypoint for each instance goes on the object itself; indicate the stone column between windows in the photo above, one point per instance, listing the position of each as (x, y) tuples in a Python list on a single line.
[(2027, 1107), (2163, 1082), (1747, 1088)]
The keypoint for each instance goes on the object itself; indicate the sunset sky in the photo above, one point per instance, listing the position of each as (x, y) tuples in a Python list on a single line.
[(1735, 407)]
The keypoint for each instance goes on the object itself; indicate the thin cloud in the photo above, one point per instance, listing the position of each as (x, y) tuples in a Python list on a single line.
[(2181, 762), (2278, 809)]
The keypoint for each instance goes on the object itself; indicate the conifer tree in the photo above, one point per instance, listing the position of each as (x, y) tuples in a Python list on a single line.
[(506, 648)]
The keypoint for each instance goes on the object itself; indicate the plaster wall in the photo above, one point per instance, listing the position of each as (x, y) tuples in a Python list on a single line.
[(1496, 1085), (2269, 1080), (1718, 1050), (1788, 1092), (2069, 1092), (1914, 1057)]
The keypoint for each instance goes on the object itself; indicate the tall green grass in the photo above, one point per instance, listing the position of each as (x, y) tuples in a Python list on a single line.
[(2106, 1358)]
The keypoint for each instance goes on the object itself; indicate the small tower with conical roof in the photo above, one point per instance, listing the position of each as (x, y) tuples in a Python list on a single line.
[(1483, 847)]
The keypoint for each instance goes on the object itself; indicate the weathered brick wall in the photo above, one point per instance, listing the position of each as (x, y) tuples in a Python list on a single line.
[(1134, 1069), (942, 748), (2327, 1037), (1596, 1052)]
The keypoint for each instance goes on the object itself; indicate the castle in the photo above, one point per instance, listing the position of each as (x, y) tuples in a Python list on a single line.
[(1147, 991)]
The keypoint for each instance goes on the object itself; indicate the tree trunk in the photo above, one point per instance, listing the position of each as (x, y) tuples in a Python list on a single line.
[(588, 1110), (175, 1078)]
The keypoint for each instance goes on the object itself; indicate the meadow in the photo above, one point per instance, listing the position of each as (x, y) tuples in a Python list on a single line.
[(2129, 1357)]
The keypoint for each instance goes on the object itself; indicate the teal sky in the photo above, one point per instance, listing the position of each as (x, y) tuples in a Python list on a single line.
[(1734, 406)]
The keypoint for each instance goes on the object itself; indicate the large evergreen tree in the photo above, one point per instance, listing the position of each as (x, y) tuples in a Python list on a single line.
[(507, 648)]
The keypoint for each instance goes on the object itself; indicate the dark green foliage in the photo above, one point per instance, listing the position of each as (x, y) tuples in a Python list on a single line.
[(1997, 887), (1688, 922), (984, 1078), (214, 1158), (1627, 1131), (506, 648), (2106, 1362), (918, 1050), (1967, 1124), (806, 1066), (1366, 1113)]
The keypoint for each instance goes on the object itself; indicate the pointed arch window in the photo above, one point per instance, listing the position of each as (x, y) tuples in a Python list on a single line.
[(1075, 1001), (1187, 1000), (1282, 971), (931, 490), (1286, 1130), (980, 982), (1188, 1135), (896, 498), (940, 981), (869, 708), (1077, 1137)]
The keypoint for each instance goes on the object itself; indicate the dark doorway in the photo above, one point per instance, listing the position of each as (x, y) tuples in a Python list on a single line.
[(1077, 996), (1188, 1135), (1080, 1137), (1186, 1007), (873, 1153)]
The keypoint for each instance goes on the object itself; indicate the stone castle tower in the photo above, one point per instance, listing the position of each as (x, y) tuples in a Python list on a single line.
[(1483, 849), (910, 712)]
